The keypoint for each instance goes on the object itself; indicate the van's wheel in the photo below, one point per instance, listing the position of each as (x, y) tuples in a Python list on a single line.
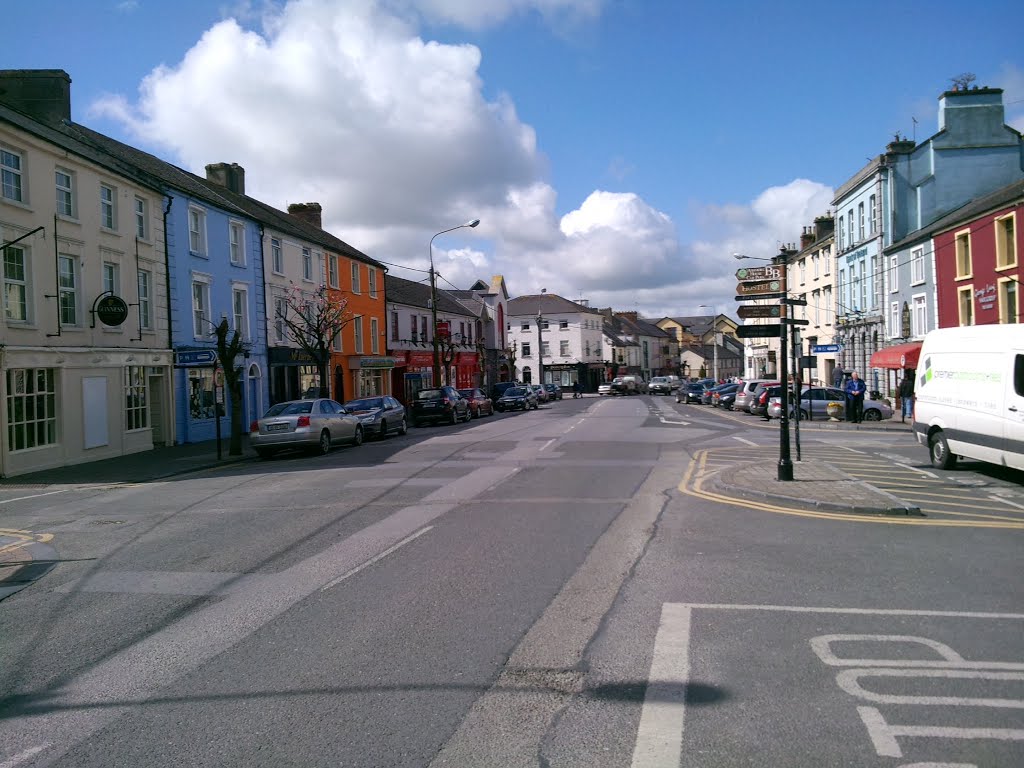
[(803, 415), (872, 414), (942, 458)]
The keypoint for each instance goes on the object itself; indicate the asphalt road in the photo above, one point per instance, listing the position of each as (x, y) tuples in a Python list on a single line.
[(532, 589)]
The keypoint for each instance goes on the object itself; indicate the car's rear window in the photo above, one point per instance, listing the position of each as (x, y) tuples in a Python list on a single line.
[(515, 391), (365, 404), (429, 394), (289, 409)]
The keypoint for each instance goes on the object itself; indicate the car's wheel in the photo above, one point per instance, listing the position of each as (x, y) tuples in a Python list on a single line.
[(403, 427), (357, 438), (264, 453), (454, 418), (324, 446), (872, 414), (472, 415), (803, 414), (942, 458), (383, 430)]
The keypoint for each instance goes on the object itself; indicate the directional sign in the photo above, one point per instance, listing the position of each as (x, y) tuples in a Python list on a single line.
[(194, 357), (759, 331), (819, 349), (759, 273), (772, 295), (759, 310), (794, 321), (765, 286)]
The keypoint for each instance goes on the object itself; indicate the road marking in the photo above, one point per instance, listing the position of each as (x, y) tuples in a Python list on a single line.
[(375, 558), (915, 469), (883, 735), (33, 496), (1007, 501), (851, 450), (23, 756), (548, 443), (744, 440), (856, 611), (680, 423), (849, 681), (659, 740)]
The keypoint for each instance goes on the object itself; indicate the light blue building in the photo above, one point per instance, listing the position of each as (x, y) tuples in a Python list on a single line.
[(885, 297)]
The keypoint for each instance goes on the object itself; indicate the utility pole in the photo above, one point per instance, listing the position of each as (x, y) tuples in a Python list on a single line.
[(433, 298), (785, 470), (540, 348)]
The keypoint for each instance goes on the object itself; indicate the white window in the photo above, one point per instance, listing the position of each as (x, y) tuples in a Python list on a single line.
[(842, 241), (67, 288), (423, 327), (1006, 242), (544, 323), (355, 278), (111, 277), (280, 311), (563, 325), (803, 271), (815, 266), (525, 349), (336, 341), (65, 181), (357, 328), (10, 176), (332, 271), (863, 285), (545, 349), (307, 264), (917, 266), (895, 321), (876, 283), (108, 207), (141, 219), (841, 288), (197, 231), (31, 408), (16, 286), (145, 299), (374, 335), (919, 315), (964, 265), (276, 256), (826, 258), (394, 326), (240, 311), (816, 302), (563, 348), (136, 412), (874, 214), (373, 282), (827, 301), (894, 273), (860, 221), (849, 229), (236, 243), (524, 326), (200, 308)]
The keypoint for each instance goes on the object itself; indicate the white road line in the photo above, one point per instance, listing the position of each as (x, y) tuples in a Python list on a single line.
[(23, 756), (373, 559), (847, 448), (680, 423), (549, 442), (1007, 501), (33, 496), (744, 440), (883, 734), (915, 469), (659, 741), (860, 611)]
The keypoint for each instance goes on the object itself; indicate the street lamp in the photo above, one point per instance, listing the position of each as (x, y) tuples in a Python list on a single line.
[(433, 298)]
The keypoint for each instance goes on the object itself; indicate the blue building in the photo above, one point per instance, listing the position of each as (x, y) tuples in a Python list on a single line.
[(215, 271)]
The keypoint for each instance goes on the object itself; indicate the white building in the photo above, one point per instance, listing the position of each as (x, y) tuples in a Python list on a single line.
[(554, 340)]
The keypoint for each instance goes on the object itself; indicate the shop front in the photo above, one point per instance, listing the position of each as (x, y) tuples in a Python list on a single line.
[(293, 375), (412, 372), (466, 367), (371, 376)]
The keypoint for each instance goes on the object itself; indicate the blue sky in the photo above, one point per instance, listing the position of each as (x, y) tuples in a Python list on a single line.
[(617, 151)]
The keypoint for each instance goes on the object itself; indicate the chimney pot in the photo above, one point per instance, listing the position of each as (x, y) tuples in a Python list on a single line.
[(311, 213)]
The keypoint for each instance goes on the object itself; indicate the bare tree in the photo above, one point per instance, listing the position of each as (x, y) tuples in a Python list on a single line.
[(510, 355), (962, 81), (228, 350), (314, 320)]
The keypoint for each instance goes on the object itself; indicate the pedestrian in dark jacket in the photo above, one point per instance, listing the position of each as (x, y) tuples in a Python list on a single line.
[(837, 376), (855, 389), (907, 396)]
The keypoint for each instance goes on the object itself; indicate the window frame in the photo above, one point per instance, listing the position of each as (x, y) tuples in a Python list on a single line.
[(307, 264), (374, 336), (1003, 238), (65, 199), (145, 299), (895, 320), (563, 348), (111, 277), (202, 314), (894, 273), (12, 179), (280, 312), (22, 284), (332, 270), (963, 255), (43, 430), (918, 305), (873, 216), (135, 398), (525, 350), (236, 242), (276, 256), (197, 242), (240, 290), (961, 291), (357, 330), (371, 278), (108, 208), (73, 291), (356, 278), (140, 210), (394, 325), (917, 266), (1004, 285), (860, 221)]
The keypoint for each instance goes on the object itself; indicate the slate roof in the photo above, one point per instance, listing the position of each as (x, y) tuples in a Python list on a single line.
[(545, 303), (413, 294)]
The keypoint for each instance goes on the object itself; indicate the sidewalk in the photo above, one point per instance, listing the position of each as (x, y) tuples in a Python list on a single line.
[(136, 467)]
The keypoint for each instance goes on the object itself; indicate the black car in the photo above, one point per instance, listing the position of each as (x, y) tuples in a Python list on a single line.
[(554, 391), (708, 398), (439, 404), (690, 393), (516, 398), (723, 391), (499, 389), (727, 399)]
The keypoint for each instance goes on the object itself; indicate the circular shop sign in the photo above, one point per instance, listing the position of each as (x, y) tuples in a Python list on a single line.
[(112, 310)]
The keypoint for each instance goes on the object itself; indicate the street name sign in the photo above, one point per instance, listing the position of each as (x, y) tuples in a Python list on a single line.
[(795, 321), (774, 295), (756, 289), (759, 310), (747, 274), (766, 331), (819, 349)]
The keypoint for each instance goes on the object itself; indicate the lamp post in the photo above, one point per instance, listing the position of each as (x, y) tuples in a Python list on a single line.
[(433, 298)]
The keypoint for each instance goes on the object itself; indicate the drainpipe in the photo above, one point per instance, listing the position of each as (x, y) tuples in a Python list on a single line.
[(266, 325), (172, 427)]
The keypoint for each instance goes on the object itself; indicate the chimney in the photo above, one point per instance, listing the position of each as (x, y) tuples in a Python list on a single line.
[(823, 227), (231, 176), (631, 315), (307, 212), (43, 94), (972, 116), (806, 237)]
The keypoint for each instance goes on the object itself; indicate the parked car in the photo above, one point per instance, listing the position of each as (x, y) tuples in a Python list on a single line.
[(814, 404), (379, 415), (723, 389), (542, 394), (625, 385), (691, 393), (775, 405), (312, 425), (498, 389), (745, 394), (755, 397), (708, 398), (605, 388), (661, 385), (763, 394), (439, 404), (479, 403), (554, 391), (517, 398), (727, 398)]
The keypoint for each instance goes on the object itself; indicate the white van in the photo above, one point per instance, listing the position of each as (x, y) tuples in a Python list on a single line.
[(969, 395)]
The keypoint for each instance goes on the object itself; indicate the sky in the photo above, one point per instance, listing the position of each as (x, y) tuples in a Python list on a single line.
[(615, 151)]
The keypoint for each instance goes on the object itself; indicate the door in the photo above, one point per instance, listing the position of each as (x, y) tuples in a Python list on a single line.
[(94, 411), (1013, 424)]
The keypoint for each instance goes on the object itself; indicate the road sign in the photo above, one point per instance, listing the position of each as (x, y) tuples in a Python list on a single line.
[(820, 349), (794, 321), (443, 330), (773, 295), (766, 331), (764, 286), (759, 310), (759, 273), (195, 357)]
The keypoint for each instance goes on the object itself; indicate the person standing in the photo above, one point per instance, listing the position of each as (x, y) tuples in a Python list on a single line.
[(855, 389), (907, 395), (837, 376)]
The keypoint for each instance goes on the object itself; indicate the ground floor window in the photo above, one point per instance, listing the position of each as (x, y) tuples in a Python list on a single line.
[(202, 403), (309, 381), (31, 408), (136, 413), (371, 383)]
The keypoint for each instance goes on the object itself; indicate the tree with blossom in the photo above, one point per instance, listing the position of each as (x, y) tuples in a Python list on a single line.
[(314, 319)]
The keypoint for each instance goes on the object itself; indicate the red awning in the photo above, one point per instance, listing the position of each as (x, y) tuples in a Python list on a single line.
[(898, 356)]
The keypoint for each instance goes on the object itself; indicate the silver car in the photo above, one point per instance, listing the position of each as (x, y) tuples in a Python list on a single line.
[(312, 425), (379, 415), (814, 403)]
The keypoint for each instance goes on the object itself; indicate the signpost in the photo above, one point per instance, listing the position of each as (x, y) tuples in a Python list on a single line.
[(759, 310), (820, 349), (747, 274), (756, 290), (765, 331)]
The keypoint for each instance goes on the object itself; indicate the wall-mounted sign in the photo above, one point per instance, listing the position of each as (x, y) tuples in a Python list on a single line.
[(192, 357), (822, 349), (112, 310), (443, 330)]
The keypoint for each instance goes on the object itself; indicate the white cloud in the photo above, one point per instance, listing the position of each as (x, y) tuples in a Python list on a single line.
[(1011, 80), (347, 105), (485, 13)]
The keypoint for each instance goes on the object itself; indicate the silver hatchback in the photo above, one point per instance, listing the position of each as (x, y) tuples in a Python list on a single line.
[(312, 425)]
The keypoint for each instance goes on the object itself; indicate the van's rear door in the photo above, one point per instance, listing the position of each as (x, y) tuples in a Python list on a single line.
[(1013, 424)]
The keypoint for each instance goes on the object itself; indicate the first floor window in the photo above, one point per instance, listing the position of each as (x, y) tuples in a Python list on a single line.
[(563, 348), (111, 277), (394, 326), (141, 219), (240, 310), (965, 302), (372, 274), (276, 256), (108, 198), (355, 278), (10, 175), (200, 308), (16, 284), (374, 333), (894, 320), (919, 316), (197, 231), (67, 281), (423, 328), (145, 299), (136, 413), (332, 271), (525, 349), (65, 192), (31, 408), (415, 333), (357, 329), (280, 312), (307, 264), (336, 341), (917, 266), (1006, 242), (1009, 311), (236, 243)]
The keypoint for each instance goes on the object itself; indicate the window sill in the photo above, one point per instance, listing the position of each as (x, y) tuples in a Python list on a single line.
[(964, 277), (21, 325), (238, 265), (68, 219), (109, 231), (199, 255), (16, 203), (1006, 267)]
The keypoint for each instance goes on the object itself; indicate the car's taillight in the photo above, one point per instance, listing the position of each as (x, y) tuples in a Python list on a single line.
[(302, 422), (254, 427)]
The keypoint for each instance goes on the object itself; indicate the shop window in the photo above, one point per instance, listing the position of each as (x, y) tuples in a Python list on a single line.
[(136, 413), (202, 404), (31, 408)]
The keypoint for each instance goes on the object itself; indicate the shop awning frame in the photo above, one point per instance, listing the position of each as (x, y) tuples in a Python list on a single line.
[(898, 356)]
